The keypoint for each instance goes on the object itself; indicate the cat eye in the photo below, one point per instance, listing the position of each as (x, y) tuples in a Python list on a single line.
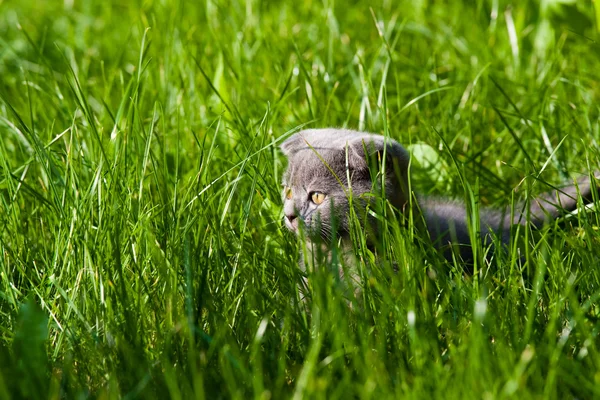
[(288, 193), (317, 197)]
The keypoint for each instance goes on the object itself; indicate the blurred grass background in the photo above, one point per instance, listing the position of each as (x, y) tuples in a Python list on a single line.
[(143, 254)]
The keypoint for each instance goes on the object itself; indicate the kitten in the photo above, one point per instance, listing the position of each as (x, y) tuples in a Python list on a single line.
[(326, 165)]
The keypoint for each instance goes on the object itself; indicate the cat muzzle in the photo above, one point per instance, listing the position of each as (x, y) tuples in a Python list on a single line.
[(291, 222)]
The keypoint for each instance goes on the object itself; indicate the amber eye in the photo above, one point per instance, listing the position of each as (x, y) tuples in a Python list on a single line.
[(288, 193), (317, 197)]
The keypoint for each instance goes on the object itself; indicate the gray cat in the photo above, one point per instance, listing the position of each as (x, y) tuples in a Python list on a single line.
[(333, 172)]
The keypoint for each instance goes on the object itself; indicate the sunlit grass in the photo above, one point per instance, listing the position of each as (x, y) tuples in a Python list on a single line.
[(143, 253)]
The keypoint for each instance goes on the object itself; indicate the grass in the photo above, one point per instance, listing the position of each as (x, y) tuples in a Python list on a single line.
[(143, 254)]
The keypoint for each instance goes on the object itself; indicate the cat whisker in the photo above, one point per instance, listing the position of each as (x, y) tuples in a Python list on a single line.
[(326, 232)]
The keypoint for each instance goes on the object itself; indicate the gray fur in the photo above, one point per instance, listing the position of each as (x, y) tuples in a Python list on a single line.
[(334, 162)]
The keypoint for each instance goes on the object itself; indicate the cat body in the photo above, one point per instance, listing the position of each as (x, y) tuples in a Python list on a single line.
[(333, 172)]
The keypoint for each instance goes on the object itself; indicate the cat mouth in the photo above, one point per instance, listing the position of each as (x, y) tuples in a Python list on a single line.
[(294, 226)]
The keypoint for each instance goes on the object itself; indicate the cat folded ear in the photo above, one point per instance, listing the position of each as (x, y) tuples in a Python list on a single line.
[(370, 150), (292, 144), (363, 150)]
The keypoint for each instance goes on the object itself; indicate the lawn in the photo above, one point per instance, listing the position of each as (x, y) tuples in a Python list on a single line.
[(143, 253)]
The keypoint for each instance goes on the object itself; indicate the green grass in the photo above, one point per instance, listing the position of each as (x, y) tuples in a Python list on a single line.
[(142, 249)]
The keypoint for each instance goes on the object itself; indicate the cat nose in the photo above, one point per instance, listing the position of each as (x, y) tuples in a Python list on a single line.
[(290, 217)]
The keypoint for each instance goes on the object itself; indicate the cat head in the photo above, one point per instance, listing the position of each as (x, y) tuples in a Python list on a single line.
[(326, 165)]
